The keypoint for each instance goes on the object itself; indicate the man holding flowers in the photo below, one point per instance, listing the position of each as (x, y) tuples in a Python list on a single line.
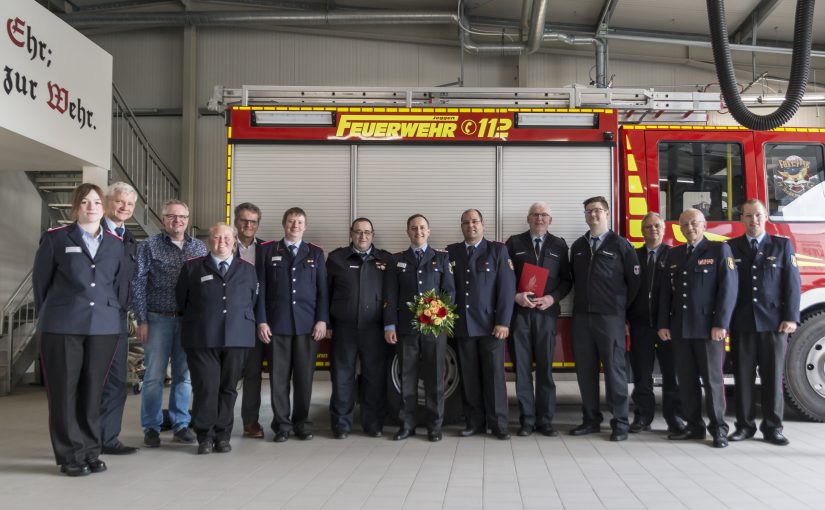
[(418, 326)]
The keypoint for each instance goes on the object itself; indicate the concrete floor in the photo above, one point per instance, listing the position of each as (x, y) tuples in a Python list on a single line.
[(647, 471)]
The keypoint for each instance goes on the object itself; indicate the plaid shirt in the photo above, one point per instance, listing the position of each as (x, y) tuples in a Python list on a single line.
[(159, 263)]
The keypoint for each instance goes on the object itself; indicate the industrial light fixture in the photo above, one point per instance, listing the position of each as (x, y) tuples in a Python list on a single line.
[(568, 120), (285, 118)]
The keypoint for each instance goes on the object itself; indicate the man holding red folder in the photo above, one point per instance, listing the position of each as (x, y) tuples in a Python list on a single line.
[(543, 271)]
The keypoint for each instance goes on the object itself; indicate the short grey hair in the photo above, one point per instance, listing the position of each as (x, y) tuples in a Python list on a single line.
[(543, 205), (174, 201), (120, 187), (653, 214)]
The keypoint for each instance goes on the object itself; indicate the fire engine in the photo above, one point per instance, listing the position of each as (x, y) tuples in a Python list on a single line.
[(385, 154)]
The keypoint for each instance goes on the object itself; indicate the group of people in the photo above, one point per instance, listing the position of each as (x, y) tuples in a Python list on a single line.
[(217, 310)]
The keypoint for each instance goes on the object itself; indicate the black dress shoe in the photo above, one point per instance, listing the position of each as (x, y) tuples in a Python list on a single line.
[(638, 426), (205, 447), (686, 434), (501, 435), (676, 430), (585, 429), (223, 446), (375, 433), (548, 430), (281, 437), (471, 431), (741, 435), (304, 436), (403, 433), (720, 441), (75, 469), (618, 436), (776, 437), (525, 430), (119, 449), (96, 465), (434, 436), (340, 435)]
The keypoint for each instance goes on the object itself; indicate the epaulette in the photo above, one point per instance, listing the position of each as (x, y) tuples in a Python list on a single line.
[(114, 235), (439, 251), (269, 242), (57, 228), (336, 250), (315, 246), (779, 236), (495, 242), (190, 259), (248, 262)]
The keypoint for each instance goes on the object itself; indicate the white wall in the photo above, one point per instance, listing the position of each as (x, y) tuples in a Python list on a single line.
[(20, 206)]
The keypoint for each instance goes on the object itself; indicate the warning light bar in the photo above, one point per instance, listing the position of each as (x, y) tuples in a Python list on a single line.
[(268, 118), (557, 120)]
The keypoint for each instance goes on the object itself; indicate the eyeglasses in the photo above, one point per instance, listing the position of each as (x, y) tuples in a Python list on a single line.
[(539, 215), (247, 222), (595, 210), (359, 233), (173, 217)]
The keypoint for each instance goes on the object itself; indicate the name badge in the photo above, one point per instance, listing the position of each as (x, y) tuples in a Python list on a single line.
[(705, 262), (74, 249), (354, 267), (554, 255), (277, 258), (520, 252), (771, 258), (609, 254), (207, 278), (402, 265)]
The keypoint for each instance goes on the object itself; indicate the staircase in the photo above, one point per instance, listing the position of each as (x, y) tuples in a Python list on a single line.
[(134, 161)]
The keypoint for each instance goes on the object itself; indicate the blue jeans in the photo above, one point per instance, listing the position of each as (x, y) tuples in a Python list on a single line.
[(164, 343)]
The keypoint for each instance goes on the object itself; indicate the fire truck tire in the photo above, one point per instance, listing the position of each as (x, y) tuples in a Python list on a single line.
[(453, 407), (805, 368)]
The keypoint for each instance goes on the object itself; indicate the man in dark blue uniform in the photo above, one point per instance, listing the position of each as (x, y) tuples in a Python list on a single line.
[(533, 327), (217, 294), (413, 272), (247, 222), (645, 344), (606, 280), (120, 205), (767, 310), (295, 305), (356, 278), (695, 308), (485, 290)]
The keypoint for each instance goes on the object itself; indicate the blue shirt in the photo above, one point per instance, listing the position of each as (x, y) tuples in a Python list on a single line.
[(218, 261), (92, 241), (758, 239), (159, 263)]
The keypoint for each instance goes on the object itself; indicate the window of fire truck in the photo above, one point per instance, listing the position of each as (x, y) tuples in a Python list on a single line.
[(708, 176), (796, 181)]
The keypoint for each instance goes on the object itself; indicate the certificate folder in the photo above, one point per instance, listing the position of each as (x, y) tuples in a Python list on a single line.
[(533, 279)]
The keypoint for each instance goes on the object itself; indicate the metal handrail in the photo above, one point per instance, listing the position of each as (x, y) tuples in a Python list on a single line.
[(138, 160), (24, 287)]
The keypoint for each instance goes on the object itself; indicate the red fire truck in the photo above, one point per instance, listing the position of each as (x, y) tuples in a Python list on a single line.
[(388, 156)]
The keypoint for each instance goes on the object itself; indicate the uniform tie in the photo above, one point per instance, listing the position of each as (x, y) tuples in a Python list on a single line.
[(120, 231), (470, 250), (538, 246), (649, 269), (293, 250), (418, 255), (754, 246), (223, 267), (363, 255), (594, 244), (689, 250)]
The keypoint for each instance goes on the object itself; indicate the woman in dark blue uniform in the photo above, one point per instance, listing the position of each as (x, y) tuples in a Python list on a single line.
[(77, 282)]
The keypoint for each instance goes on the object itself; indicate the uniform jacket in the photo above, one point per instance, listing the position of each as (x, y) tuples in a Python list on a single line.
[(129, 260), (356, 290), (294, 292), (485, 285), (554, 257), (769, 284), (645, 308), (74, 293), (698, 293), (404, 280), (218, 311), (605, 282)]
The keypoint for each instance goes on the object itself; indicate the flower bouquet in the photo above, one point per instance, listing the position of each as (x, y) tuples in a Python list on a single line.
[(434, 313)]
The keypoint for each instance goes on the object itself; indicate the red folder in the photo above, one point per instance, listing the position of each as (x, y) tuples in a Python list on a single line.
[(533, 279)]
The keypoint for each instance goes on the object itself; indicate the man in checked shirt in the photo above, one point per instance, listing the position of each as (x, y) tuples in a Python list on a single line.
[(159, 261)]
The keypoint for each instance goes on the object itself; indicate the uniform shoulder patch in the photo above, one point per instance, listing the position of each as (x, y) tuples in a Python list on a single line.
[(510, 263), (731, 264), (53, 229), (793, 261)]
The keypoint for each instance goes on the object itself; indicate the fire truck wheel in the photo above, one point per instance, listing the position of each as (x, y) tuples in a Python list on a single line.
[(453, 408), (805, 368)]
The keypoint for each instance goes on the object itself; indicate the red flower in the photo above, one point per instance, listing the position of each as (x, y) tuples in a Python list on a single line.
[(442, 312), (423, 319), (428, 300)]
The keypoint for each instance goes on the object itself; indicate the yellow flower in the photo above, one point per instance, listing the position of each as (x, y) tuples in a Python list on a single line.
[(427, 313), (437, 321)]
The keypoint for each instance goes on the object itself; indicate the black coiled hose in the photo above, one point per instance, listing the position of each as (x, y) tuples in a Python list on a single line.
[(800, 66)]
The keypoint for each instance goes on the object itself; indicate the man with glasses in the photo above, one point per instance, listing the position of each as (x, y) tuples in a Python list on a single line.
[(247, 222), (533, 327), (356, 276), (645, 344), (766, 312), (412, 273), (485, 289), (295, 304), (159, 262), (695, 308), (605, 279)]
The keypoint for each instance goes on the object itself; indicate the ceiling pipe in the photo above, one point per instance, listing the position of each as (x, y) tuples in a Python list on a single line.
[(706, 44)]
